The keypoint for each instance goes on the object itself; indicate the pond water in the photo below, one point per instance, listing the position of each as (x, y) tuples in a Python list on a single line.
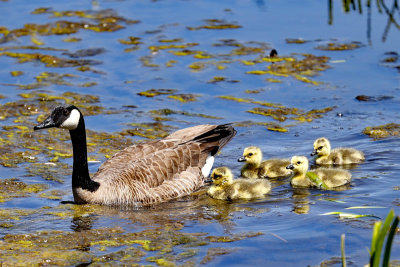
[(141, 69)]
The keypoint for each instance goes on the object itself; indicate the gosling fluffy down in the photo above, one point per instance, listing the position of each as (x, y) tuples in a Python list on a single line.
[(331, 177), (226, 188), (254, 167), (338, 156)]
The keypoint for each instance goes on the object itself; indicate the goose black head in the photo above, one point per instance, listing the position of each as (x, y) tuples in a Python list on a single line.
[(65, 117)]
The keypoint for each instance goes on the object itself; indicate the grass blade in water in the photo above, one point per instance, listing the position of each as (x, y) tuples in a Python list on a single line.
[(316, 180)]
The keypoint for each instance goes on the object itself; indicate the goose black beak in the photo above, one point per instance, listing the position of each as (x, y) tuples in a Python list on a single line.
[(241, 159), (48, 123), (314, 153), (290, 167)]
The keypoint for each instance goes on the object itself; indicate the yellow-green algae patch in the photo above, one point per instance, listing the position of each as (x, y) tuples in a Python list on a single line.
[(153, 130), (16, 73), (184, 97), (339, 46), (14, 188), (163, 244), (279, 112), (383, 131), (168, 112), (215, 24), (156, 92), (300, 69)]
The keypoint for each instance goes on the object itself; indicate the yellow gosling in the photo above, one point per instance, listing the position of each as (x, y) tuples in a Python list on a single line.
[(330, 177), (338, 156), (255, 167), (226, 188)]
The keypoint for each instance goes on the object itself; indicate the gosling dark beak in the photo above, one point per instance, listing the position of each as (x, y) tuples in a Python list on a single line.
[(290, 167), (48, 123), (241, 159), (314, 153)]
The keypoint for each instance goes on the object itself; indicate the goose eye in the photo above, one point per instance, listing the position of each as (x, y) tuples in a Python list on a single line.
[(66, 112)]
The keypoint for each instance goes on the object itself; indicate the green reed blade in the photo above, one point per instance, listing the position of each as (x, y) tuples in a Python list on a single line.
[(389, 242)]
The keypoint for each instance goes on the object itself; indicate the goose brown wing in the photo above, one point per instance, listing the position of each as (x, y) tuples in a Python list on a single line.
[(151, 163)]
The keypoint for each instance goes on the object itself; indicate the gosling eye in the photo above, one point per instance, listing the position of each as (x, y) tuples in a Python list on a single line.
[(320, 147), (299, 162), (250, 154)]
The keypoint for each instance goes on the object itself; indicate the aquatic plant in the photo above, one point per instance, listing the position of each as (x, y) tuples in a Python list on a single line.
[(381, 231)]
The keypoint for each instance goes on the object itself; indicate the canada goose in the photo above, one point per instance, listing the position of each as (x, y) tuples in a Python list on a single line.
[(338, 156), (142, 174), (254, 167), (226, 188), (329, 177)]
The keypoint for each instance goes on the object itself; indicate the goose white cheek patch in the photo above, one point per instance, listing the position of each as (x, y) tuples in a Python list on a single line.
[(207, 167), (72, 122)]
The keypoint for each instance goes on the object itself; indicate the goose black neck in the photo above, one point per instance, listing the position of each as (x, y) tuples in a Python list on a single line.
[(80, 172)]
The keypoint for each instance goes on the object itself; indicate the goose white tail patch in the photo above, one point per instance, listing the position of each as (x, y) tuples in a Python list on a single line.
[(73, 120), (208, 166)]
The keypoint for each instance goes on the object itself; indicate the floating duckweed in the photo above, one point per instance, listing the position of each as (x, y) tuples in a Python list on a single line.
[(132, 40), (383, 131), (283, 113), (184, 52), (215, 24), (277, 129), (13, 188), (339, 46), (161, 262), (48, 60), (167, 112), (295, 41), (197, 66), (72, 39), (153, 130), (170, 63), (272, 80), (146, 61), (53, 194), (248, 100), (233, 238), (305, 79), (184, 97), (249, 62), (202, 55), (12, 159), (16, 73), (277, 114), (216, 79), (253, 91), (171, 46), (257, 72), (309, 65), (171, 40), (156, 92), (212, 253), (50, 172)]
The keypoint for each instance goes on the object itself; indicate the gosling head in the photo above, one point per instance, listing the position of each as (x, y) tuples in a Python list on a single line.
[(221, 176), (251, 155), (322, 147), (298, 164), (64, 117)]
